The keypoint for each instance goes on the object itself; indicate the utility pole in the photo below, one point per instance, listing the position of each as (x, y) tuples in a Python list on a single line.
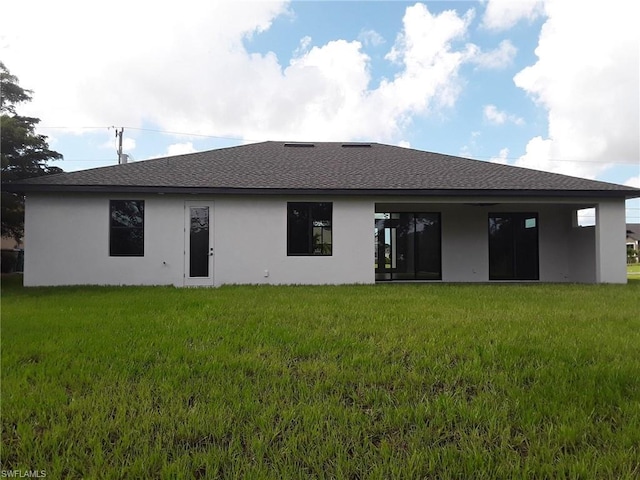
[(121, 158)]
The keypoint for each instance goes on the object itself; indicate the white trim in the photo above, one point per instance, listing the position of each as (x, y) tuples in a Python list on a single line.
[(198, 281)]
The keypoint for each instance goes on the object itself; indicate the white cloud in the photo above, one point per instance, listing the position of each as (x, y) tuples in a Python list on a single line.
[(588, 84), (52, 141), (502, 158), (404, 144), (467, 150), (493, 115), (424, 49), (128, 144), (130, 62), (303, 46), (180, 148), (188, 70), (633, 182), (504, 14), (371, 37), (328, 92), (499, 58), (499, 117)]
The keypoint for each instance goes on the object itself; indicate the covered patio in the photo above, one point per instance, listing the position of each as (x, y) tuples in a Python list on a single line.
[(499, 239)]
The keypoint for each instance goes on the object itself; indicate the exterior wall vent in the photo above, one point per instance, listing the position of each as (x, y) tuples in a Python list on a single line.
[(297, 144)]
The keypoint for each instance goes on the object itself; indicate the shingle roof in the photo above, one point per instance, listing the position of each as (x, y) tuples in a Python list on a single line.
[(277, 167)]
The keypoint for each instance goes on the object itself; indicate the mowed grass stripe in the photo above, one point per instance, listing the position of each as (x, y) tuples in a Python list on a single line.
[(385, 381)]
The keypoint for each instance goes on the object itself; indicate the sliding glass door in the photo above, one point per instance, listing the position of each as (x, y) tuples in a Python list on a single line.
[(513, 246), (408, 246)]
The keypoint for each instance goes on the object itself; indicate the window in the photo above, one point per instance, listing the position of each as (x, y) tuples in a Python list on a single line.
[(585, 217), (513, 246), (126, 228), (309, 228)]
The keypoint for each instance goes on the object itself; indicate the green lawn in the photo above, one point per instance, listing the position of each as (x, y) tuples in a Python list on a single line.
[(386, 381)]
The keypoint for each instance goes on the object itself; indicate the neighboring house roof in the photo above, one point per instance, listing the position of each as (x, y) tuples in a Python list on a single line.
[(322, 167), (633, 231), (9, 243)]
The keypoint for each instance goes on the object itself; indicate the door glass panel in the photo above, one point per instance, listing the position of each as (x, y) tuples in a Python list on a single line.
[(392, 248), (383, 248), (403, 247), (428, 246), (199, 242), (408, 246), (513, 246), (527, 250), (501, 251)]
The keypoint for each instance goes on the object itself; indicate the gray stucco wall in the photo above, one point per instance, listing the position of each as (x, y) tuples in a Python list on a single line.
[(67, 240)]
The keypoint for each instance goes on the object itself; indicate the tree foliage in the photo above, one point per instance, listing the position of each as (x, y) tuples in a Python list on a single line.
[(24, 152)]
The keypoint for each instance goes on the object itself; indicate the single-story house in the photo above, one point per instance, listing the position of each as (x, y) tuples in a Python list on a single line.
[(10, 243), (319, 213), (11, 255)]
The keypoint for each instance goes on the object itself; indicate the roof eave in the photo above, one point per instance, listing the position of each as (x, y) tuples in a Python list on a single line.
[(44, 188)]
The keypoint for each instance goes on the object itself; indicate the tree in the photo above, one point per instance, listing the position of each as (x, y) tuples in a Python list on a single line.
[(24, 152)]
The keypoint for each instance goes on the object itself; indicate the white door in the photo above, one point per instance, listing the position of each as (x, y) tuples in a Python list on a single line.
[(198, 244)]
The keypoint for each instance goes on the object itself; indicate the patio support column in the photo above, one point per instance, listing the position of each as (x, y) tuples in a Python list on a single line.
[(610, 242)]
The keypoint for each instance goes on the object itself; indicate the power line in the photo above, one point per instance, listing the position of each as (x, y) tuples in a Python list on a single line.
[(185, 134), (555, 160), (193, 134), (168, 132)]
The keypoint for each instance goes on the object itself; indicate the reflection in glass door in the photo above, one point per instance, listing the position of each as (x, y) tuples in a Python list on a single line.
[(513, 246), (198, 241), (407, 246)]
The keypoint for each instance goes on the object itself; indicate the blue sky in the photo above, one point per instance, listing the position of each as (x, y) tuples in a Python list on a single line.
[(528, 82)]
